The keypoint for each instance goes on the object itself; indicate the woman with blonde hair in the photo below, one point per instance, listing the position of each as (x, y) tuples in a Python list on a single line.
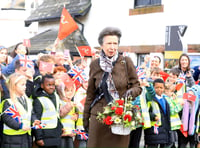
[(17, 129)]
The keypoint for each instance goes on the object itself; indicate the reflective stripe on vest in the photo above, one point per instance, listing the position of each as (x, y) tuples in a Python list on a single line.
[(175, 121), (156, 111), (144, 109), (50, 114), (25, 115), (67, 122), (79, 122)]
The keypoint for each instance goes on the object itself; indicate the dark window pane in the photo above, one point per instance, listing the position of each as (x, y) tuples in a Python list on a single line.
[(147, 2)]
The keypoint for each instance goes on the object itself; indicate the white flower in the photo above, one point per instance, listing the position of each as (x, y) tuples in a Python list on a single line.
[(117, 120), (129, 113), (107, 110), (133, 123)]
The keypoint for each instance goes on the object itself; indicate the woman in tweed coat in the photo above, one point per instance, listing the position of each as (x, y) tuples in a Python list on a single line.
[(108, 74)]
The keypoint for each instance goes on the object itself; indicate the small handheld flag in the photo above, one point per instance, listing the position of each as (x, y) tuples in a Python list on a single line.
[(181, 79), (189, 97), (85, 50), (179, 86), (27, 42), (155, 128), (77, 74), (13, 112), (25, 61), (83, 135), (46, 66), (42, 125), (185, 133)]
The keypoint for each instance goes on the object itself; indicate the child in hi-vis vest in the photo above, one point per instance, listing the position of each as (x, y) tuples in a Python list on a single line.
[(46, 107), (17, 115)]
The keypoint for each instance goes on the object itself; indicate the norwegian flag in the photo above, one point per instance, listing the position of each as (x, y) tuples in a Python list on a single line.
[(13, 112), (25, 61), (42, 125), (77, 74), (155, 128), (83, 135)]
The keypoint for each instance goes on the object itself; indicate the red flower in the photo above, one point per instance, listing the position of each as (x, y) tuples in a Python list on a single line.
[(120, 102), (107, 120), (113, 108), (127, 116), (119, 111)]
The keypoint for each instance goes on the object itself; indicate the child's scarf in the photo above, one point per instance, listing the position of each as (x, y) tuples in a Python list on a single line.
[(190, 111)]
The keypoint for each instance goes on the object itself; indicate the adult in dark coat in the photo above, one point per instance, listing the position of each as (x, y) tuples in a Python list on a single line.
[(110, 65)]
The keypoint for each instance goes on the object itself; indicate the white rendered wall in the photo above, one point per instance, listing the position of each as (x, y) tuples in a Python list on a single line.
[(145, 29)]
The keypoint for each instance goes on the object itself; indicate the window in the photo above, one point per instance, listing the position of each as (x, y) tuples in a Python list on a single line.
[(13, 4), (145, 3), (194, 59), (140, 59)]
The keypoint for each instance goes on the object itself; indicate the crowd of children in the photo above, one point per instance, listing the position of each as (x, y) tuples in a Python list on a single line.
[(172, 102), (42, 102), (41, 105)]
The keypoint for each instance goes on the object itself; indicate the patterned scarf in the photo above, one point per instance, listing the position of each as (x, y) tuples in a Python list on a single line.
[(107, 65)]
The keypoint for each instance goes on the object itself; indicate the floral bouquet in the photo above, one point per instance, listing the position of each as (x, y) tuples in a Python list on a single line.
[(121, 112)]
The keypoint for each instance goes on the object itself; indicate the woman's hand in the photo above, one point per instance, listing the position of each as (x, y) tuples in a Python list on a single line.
[(188, 74), (128, 93)]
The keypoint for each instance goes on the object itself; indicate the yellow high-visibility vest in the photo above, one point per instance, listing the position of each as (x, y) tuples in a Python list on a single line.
[(67, 122), (156, 111), (50, 113), (25, 115)]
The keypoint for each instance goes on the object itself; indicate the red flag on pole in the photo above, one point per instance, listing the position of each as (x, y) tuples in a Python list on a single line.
[(85, 51), (67, 25)]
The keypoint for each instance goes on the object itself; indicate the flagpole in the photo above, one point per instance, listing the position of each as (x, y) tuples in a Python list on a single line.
[(55, 45)]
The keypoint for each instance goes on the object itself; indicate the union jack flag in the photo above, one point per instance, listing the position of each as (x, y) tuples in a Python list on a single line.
[(42, 125), (25, 61), (77, 74), (13, 112), (156, 128), (181, 78), (140, 73), (83, 135)]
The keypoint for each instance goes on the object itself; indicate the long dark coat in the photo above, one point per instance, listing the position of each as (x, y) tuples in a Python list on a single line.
[(100, 135)]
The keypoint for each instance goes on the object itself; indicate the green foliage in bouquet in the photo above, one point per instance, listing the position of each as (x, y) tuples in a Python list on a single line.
[(121, 112)]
